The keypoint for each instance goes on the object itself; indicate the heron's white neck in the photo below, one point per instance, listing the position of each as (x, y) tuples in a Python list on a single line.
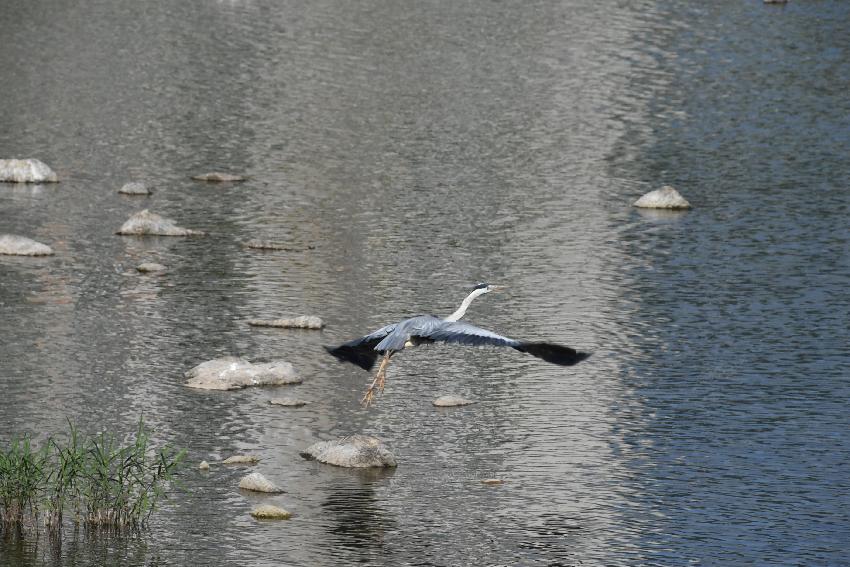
[(465, 305)]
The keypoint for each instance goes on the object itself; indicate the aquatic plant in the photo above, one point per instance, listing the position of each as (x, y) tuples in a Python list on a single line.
[(103, 481)]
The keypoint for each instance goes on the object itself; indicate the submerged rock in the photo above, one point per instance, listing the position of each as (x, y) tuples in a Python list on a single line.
[(204, 466), (492, 481), (288, 402), (135, 188), (664, 198), (269, 245), (241, 460), (300, 322), (26, 171), (146, 222), (219, 177), (258, 483), (151, 267), (233, 373), (269, 512), (451, 401), (23, 246), (356, 451)]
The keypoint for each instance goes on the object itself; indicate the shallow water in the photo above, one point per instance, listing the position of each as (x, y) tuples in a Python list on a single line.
[(420, 148)]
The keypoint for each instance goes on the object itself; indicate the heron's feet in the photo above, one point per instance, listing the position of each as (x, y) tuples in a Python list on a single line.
[(377, 383)]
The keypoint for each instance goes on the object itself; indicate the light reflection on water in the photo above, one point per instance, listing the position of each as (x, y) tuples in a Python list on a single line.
[(420, 149)]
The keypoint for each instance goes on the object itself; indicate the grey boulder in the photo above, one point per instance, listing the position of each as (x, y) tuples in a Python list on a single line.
[(300, 322), (233, 373), (664, 198), (135, 188), (146, 222), (22, 246), (26, 171), (354, 451)]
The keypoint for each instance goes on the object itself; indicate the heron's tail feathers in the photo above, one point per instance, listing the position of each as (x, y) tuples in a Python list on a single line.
[(363, 356), (556, 354)]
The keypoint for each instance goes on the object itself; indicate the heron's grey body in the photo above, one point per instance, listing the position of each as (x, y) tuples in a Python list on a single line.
[(388, 340)]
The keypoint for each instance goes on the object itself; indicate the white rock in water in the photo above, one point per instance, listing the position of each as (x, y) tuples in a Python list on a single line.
[(241, 460), (146, 222), (150, 267), (258, 483), (233, 373), (451, 401), (135, 188), (356, 451), (269, 512), (288, 402), (664, 198), (300, 322), (204, 466), (26, 171), (218, 176), (23, 246)]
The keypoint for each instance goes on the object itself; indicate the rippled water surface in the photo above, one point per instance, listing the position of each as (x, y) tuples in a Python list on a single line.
[(406, 151)]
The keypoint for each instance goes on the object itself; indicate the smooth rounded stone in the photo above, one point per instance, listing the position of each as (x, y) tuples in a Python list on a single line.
[(15, 245), (233, 373), (135, 188), (241, 460), (664, 198), (492, 481), (288, 402), (300, 322), (204, 466), (269, 512), (355, 451), (26, 171), (218, 176), (146, 222), (150, 267), (258, 483), (451, 401)]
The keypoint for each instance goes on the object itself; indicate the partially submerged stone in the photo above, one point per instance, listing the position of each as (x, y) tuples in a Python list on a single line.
[(664, 198), (150, 267), (218, 176), (300, 322), (241, 460), (26, 171), (233, 373), (135, 188), (146, 222), (288, 402), (257, 244), (269, 512), (451, 401), (492, 481), (258, 483), (22, 246), (204, 466), (355, 451)]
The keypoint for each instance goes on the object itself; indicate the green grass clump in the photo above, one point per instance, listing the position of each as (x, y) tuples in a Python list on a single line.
[(101, 480)]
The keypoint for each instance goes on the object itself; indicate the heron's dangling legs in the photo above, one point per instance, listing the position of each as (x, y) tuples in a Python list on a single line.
[(378, 382)]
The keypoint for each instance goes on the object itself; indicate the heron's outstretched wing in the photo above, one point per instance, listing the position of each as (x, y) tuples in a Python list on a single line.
[(361, 351), (460, 333)]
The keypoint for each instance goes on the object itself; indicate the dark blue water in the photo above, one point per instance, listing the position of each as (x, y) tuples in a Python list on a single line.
[(406, 152)]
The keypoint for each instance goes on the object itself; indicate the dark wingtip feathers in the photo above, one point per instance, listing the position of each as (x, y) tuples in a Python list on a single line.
[(556, 354), (363, 357)]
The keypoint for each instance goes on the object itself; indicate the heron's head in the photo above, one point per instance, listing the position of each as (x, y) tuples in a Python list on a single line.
[(487, 288)]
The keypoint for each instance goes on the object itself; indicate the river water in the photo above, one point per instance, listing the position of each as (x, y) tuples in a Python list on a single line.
[(406, 151)]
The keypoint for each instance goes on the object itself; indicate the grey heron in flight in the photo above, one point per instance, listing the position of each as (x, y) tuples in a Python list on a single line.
[(423, 329)]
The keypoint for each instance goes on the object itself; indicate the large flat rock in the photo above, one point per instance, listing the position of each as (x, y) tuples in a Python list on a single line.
[(148, 223), (22, 246), (354, 451), (234, 373)]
